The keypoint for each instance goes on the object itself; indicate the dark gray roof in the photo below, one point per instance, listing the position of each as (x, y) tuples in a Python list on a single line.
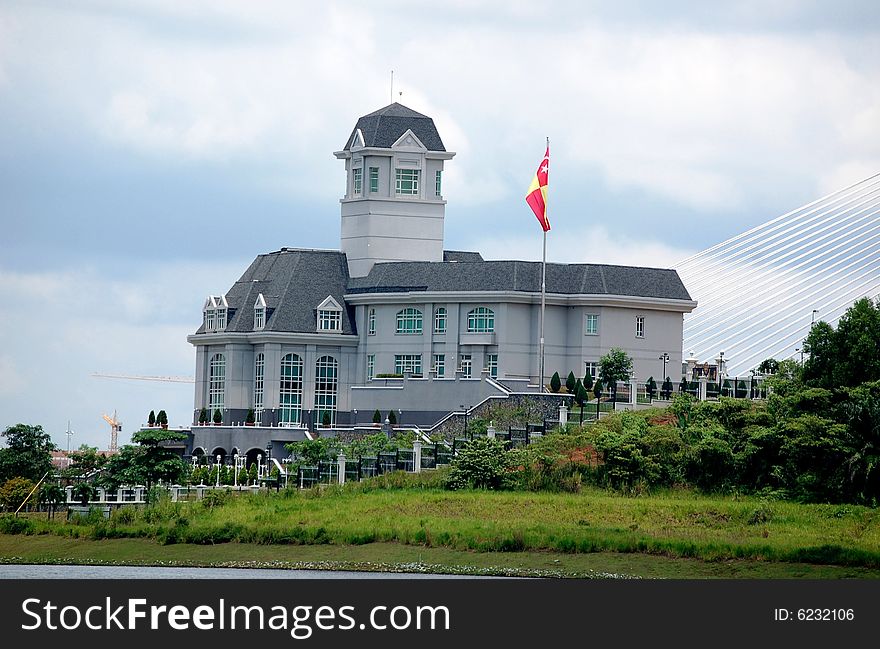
[(385, 126), (461, 255), (293, 282), (569, 279)]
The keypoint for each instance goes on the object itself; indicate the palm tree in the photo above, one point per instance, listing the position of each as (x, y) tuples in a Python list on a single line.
[(51, 495)]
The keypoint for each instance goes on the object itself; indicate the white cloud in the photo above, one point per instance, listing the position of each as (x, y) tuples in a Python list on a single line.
[(67, 325), (593, 246)]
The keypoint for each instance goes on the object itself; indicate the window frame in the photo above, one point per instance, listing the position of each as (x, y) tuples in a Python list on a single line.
[(492, 364), (217, 383), (371, 321), (438, 175), (409, 322), (466, 365), (259, 384), (326, 388), (374, 180), (411, 362), (588, 319), (640, 326), (357, 181), (291, 386), (440, 320), (412, 183), (481, 320), (438, 365), (329, 317)]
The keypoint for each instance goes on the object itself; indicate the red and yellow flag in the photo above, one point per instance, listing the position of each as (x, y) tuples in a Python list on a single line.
[(536, 197)]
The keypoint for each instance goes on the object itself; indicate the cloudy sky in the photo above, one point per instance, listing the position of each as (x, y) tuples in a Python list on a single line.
[(150, 149)]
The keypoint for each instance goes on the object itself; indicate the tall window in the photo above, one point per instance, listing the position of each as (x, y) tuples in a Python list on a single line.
[(406, 182), (408, 363), (640, 326), (492, 365), (465, 366), (371, 366), (371, 322), (591, 368), (591, 324), (374, 180), (437, 183), (290, 395), (481, 320), (260, 313), (221, 319), (440, 365), (357, 180), (409, 321), (209, 320), (329, 320), (259, 368), (216, 383), (440, 320), (326, 386)]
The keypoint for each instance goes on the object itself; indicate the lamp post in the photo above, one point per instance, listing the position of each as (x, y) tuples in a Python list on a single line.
[(235, 469), (354, 418), (218, 469), (665, 359)]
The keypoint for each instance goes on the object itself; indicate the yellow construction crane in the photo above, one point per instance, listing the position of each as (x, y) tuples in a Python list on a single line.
[(115, 427)]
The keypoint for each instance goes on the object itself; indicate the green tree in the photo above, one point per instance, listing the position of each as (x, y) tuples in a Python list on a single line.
[(51, 495), (821, 356), (857, 342), (203, 416), (325, 419), (151, 418), (615, 366), (85, 462), (555, 383), (162, 418), (155, 460), (84, 491), (667, 388), (768, 366), (482, 464), (251, 417), (28, 453), (377, 417), (650, 387), (14, 491), (588, 382), (218, 416), (392, 417), (581, 397), (252, 473), (570, 383)]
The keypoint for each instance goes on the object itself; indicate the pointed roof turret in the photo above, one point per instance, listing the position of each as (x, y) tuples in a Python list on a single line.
[(384, 127)]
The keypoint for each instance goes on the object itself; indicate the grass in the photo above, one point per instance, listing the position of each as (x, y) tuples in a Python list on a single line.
[(585, 529)]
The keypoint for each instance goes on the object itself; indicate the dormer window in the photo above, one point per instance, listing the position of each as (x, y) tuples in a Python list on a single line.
[(260, 313), (215, 310), (329, 315)]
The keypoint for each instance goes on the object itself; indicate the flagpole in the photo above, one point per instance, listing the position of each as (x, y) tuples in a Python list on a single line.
[(543, 287)]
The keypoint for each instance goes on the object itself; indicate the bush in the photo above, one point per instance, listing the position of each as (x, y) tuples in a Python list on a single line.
[(555, 383), (14, 491), (482, 464), (392, 417), (218, 416), (377, 417), (203, 416)]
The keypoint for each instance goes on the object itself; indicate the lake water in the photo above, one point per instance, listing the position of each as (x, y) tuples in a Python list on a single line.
[(151, 572)]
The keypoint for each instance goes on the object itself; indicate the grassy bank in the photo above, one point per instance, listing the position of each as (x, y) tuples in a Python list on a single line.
[(591, 525)]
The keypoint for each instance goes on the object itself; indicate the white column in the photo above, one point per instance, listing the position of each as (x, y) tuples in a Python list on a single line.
[(701, 394), (341, 467), (490, 431), (633, 387), (563, 415), (417, 456)]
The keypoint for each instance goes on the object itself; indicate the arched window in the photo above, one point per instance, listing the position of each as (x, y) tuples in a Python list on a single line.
[(216, 383), (290, 395), (326, 385), (409, 321), (481, 320), (259, 368)]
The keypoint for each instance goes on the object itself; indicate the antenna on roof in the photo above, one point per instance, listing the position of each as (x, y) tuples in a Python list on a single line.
[(392, 86)]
